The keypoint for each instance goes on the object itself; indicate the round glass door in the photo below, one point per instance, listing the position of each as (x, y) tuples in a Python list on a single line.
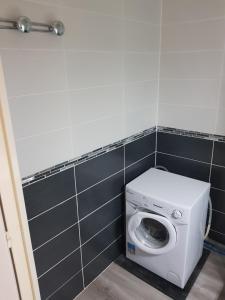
[(152, 233)]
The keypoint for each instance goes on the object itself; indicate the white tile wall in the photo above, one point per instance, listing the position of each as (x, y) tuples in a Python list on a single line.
[(188, 117), (100, 81), (95, 85), (91, 69), (38, 152), (94, 134), (192, 58), (88, 105), (220, 121), (44, 113), (91, 31), (175, 11), (143, 10), (32, 71)]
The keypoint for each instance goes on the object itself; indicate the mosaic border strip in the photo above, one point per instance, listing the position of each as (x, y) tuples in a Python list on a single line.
[(83, 158), (195, 134)]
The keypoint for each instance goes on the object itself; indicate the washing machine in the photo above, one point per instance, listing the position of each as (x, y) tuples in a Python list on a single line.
[(165, 223)]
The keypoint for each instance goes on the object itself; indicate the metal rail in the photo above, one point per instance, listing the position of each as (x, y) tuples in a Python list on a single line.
[(25, 25)]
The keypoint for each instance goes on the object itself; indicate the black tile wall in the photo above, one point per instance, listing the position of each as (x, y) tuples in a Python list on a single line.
[(185, 167), (99, 219), (139, 149), (92, 270), (93, 198), (216, 236), (218, 199), (47, 193), (184, 146), (219, 154), (95, 170), (201, 159), (52, 222), (218, 177), (82, 209), (55, 250), (96, 245), (218, 193), (69, 290), (218, 221), (95, 189), (60, 274), (140, 167)]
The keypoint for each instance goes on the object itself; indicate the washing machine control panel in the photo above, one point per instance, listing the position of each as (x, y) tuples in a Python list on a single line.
[(177, 214)]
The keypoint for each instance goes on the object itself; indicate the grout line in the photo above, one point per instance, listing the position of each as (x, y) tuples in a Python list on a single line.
[(106, 178), (217, 232), (156, 147), (55, 236), (77, 223), (194, 21), (159, 67), (106, 203), (202, 162), (174, 104), (81, 254), (88, 156), (218, 189), (139, 160), (93, 280), (103, 251), (42, 134), (218, 211), (108, 225), (218, 166), (119, 51), (55, 265), (61, 286), (124, 166), (71, 90), (69, 106), (37, 94), (80, 247), (211, 163), (51, 208), (85, 267), (191, 79), (200, 51)]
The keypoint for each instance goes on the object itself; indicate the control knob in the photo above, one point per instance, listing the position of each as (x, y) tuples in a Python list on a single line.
[(177, 214)]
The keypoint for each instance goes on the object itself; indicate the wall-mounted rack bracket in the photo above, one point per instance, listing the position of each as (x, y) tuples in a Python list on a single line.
[(25, 25)]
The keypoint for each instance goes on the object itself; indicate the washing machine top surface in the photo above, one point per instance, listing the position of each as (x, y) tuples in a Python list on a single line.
[(168, 187)]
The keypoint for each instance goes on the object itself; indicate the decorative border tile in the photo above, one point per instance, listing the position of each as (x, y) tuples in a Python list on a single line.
[(195, 134), (83, 158)]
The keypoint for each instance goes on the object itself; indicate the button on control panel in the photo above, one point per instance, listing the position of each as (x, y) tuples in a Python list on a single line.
[(177, 214)]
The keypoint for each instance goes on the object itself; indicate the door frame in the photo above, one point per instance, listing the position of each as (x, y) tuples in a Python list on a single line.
[(13, 204)]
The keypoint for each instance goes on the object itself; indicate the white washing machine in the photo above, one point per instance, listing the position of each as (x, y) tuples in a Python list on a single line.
[(165, 223)]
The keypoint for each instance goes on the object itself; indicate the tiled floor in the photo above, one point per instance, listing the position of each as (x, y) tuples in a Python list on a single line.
[(117, 284)]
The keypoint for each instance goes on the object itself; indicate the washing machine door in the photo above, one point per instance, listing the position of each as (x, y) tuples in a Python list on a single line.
[(152, 233)]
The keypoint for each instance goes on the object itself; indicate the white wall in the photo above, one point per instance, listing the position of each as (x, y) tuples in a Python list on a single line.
[(94, 86), (192, 59), (99, 82)]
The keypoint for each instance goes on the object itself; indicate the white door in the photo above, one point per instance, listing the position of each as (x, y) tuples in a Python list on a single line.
[(152, 233), (14, 217), (8, 284)]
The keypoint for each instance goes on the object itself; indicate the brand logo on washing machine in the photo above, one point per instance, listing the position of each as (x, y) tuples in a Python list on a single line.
[(131, 248)]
